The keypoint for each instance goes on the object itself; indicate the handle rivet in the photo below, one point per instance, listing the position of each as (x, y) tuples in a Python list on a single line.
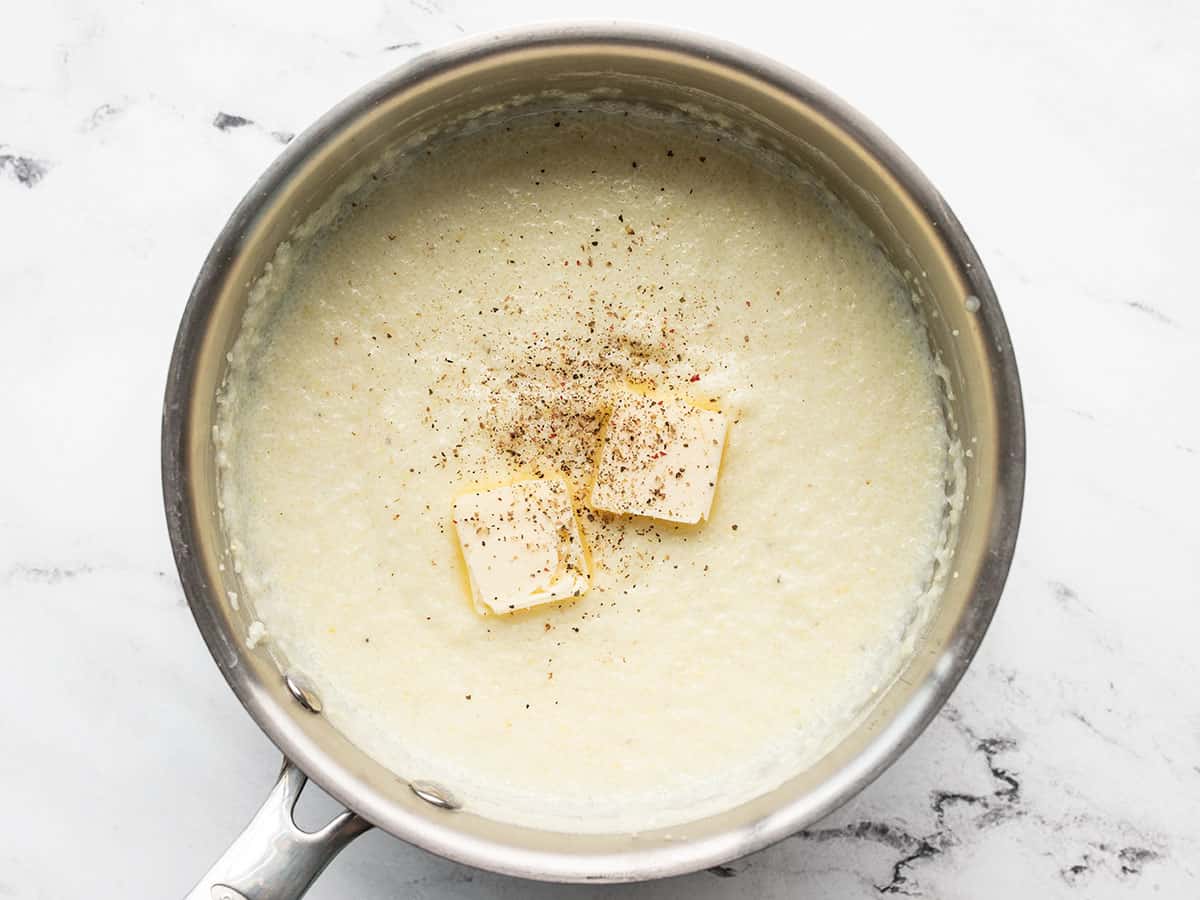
[(434, 794), (301, 688)]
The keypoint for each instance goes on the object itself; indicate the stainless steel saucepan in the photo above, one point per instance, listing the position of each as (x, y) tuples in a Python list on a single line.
[(273, 859)]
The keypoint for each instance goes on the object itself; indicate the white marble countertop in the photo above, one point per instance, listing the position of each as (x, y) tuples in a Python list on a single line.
[(1066, 137)]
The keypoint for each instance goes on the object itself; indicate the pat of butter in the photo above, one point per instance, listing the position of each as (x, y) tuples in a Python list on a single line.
[(660, 458), (522, 545)]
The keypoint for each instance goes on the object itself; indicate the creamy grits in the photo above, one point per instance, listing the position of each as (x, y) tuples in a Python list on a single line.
[(463, 322)]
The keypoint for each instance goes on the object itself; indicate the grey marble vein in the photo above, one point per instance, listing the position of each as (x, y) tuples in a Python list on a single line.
[(224, 121), (47, 574), (1152, 311), (102, 114), (27, 170), (228, 122)]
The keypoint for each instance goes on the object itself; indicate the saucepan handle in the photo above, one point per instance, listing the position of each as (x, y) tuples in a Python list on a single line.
[(272, 859)]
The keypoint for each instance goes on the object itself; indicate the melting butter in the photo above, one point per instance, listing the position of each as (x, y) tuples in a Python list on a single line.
[(521, 545), (660, 458)]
